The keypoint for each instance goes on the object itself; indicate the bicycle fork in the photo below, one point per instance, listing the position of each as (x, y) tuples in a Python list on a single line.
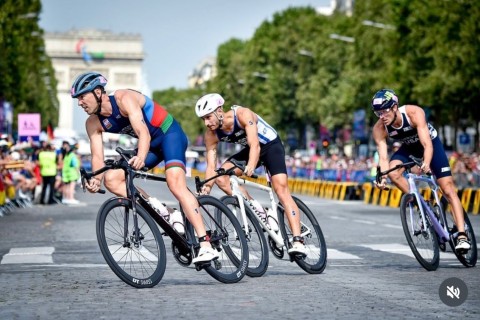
[(424, 207), (135, 238)]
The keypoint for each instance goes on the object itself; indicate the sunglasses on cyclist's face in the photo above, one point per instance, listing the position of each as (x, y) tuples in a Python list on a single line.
[(382, 112)]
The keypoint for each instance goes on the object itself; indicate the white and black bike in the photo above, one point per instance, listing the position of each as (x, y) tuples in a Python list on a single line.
[(274, 225)]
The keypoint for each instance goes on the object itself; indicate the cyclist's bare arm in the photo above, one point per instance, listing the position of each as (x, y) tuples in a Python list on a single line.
[(418, 120), (248, 119), (94, 131), (211, 142), (380, 137), (130, 104)]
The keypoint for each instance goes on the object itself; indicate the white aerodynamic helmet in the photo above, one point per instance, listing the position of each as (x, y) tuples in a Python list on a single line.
[(208, 104)]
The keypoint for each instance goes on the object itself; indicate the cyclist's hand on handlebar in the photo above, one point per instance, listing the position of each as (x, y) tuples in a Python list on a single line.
[(93, 185), (425, 168), (248, 171), (382, 183), (136, 163), (205, 190)]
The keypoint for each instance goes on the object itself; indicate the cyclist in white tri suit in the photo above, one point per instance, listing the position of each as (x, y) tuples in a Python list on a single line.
[(408, 125), (261, 142)]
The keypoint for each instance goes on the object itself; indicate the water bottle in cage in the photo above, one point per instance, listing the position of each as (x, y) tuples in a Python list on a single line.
[(160, 208), (172, 216), (176, 220)]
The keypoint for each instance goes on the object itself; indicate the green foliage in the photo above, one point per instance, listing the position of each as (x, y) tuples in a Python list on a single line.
[(28, 79), (294, 74)]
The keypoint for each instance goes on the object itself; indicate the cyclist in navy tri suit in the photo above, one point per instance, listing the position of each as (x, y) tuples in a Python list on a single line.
[(159, 135), (242, 126), (408, 125)]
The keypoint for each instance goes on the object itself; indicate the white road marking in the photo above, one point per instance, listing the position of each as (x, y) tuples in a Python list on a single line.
[(333, 254), (394, 226), (29, 255), (404, 250), (337, 218), (365, 221)]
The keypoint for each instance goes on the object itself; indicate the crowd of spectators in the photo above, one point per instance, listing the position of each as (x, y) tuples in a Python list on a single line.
[(465, 168), (24, 174)]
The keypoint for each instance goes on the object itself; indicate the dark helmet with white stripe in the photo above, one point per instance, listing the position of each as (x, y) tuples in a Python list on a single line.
[(384, 99), (87, 82)]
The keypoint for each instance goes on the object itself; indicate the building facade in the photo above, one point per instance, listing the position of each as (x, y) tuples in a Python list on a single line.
[(205, 71), (119, 57)]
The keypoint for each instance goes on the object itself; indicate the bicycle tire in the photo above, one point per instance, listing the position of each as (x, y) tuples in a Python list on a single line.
[(468, 259), (428, 257), (221, 224), (257, 243), (142, 266), (316, 259)]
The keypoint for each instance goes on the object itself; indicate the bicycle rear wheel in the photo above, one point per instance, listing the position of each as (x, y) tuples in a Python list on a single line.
[(422, 239), (316, 259), (227, 236), (468, 259), (140, 264), (256, 241)]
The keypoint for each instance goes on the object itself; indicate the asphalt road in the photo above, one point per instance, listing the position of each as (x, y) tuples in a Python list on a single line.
[(51, 268)]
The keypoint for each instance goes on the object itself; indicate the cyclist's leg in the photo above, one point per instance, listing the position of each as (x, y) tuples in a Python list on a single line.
[(269, 155), (280, 185), (114, 181), (224, 182), (173, 146), (441, 169), (396, 176), (448, 189)]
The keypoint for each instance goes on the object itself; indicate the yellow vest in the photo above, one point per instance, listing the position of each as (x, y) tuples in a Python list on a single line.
[(48, 163)]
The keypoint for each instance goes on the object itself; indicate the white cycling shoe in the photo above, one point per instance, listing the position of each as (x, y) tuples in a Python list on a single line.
[(298, 248), (463, 245), (206, 254)]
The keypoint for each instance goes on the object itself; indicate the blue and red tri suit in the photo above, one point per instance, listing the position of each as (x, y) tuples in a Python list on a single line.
[(168, 141)]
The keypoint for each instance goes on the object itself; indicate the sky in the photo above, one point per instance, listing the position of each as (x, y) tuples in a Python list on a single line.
[(177, 34)]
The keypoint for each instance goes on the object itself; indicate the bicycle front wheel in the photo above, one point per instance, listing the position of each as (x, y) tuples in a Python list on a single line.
[(226, 236), (421, 238), (468, 259), (138, 261), (316, 259), (256, 241)]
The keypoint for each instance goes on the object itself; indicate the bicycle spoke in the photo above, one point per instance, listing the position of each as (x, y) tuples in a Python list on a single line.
[(419, 233), (138, 259)]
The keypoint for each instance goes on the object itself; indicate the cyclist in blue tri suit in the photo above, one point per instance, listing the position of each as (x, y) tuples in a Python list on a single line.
[(159, 135), (408, 125), (242, 126)]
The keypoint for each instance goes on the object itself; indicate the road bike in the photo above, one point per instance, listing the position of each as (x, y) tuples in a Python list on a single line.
[(132, 244), (428, 221), (255, 225)]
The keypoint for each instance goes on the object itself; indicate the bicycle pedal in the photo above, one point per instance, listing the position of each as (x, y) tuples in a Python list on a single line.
[(442, 247), (202, 265), (297, 256)]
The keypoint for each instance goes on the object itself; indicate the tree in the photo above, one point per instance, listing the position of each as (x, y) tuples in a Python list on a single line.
[(28, 80)]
